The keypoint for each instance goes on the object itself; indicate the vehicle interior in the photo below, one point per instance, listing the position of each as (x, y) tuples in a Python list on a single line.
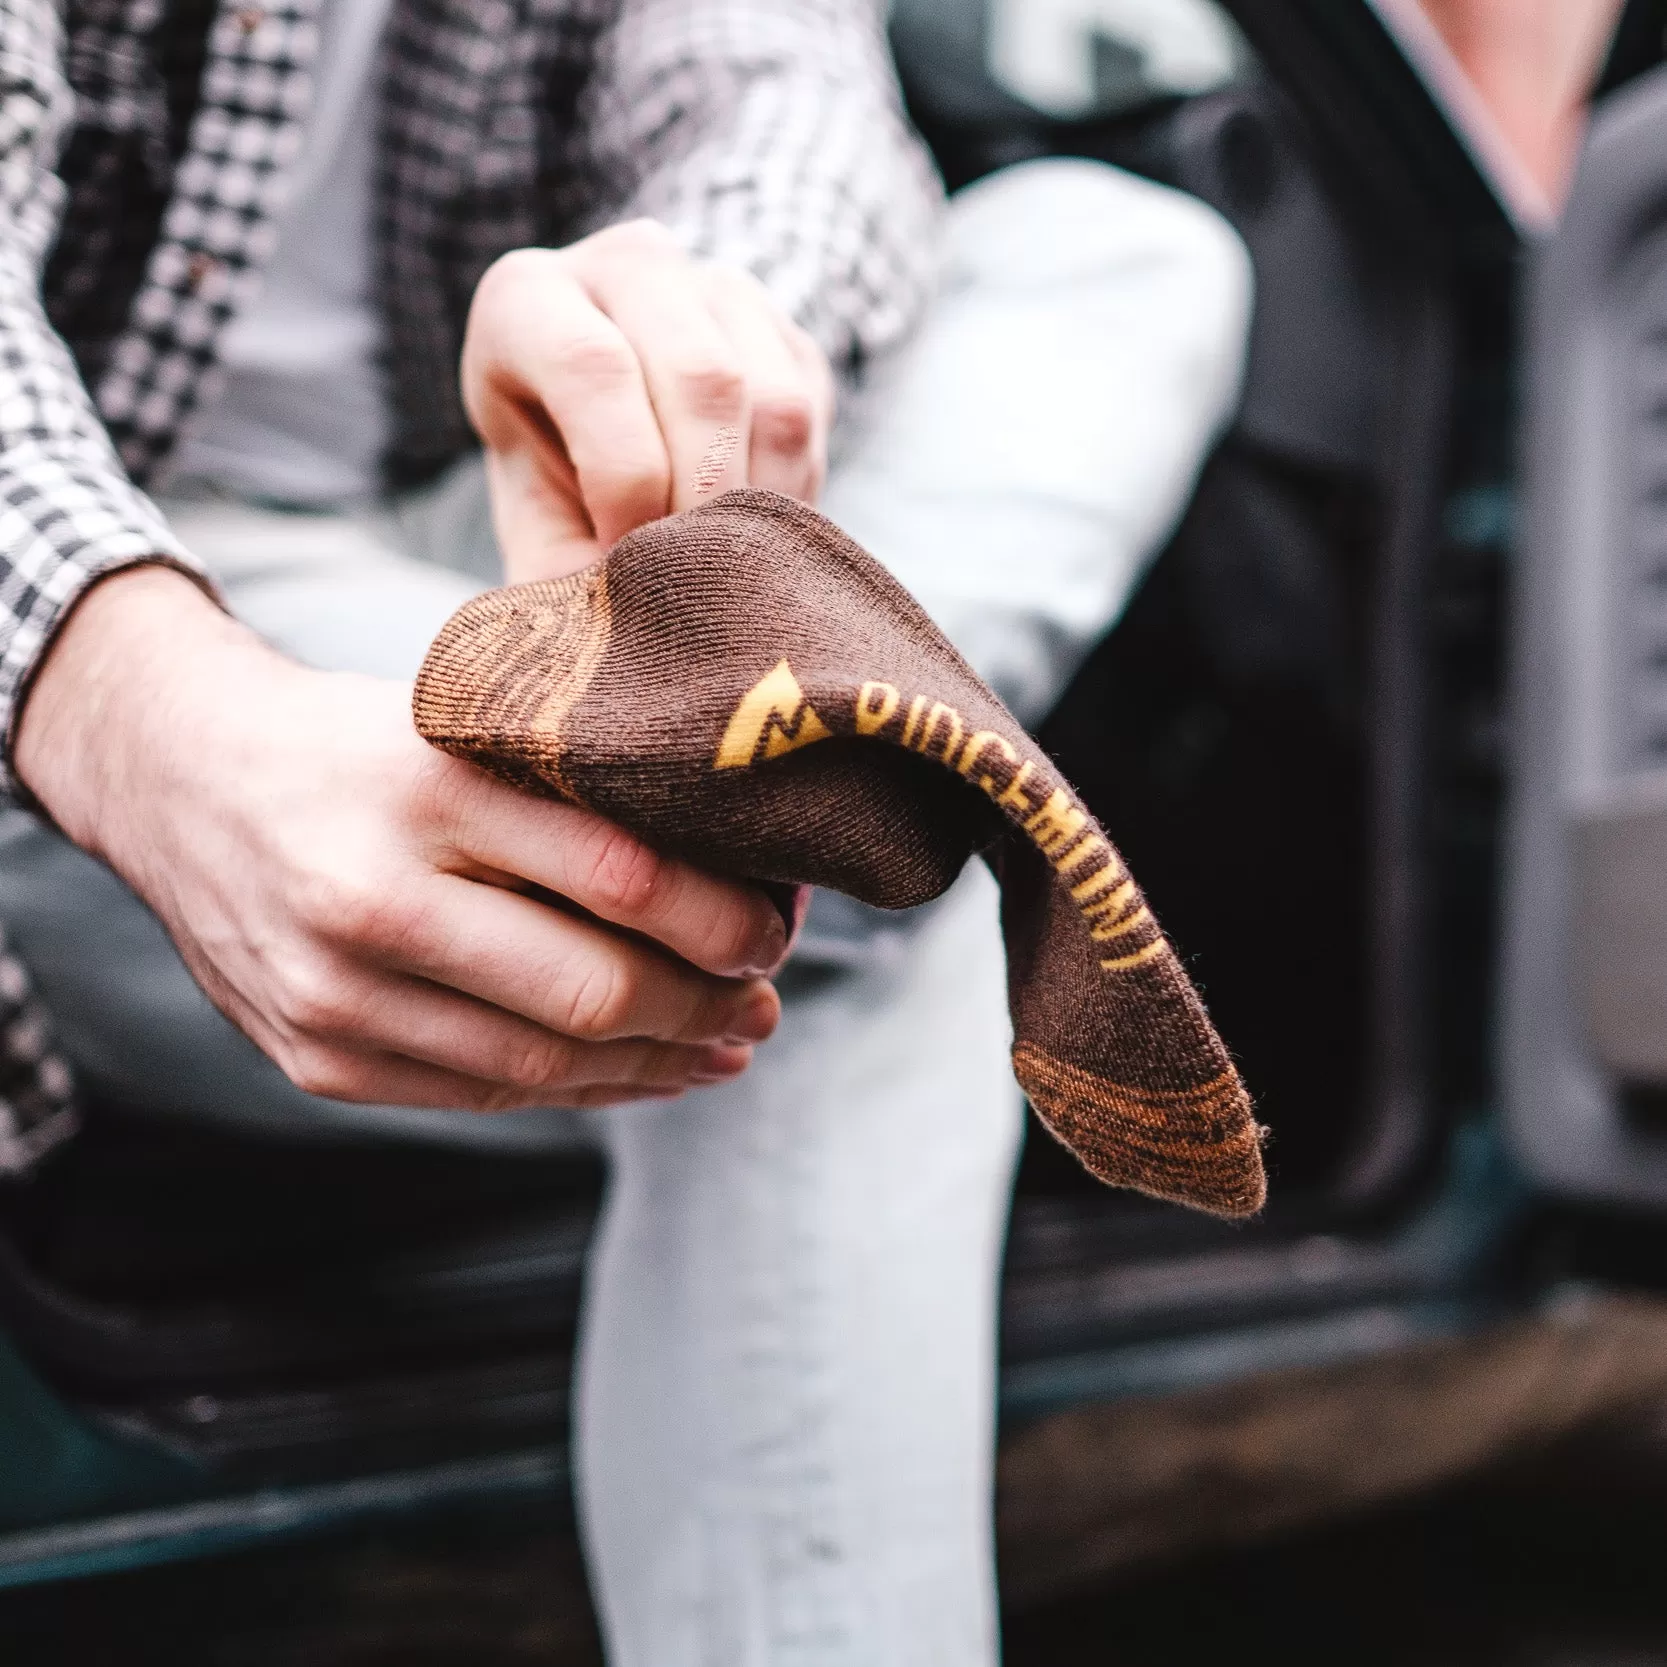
[(1293, 734)]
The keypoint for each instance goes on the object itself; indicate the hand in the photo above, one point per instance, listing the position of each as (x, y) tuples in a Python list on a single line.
[(617, 380), (387, 923)]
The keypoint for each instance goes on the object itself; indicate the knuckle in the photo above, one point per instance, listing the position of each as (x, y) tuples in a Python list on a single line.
[(367, 916), (312, 999), (447, 795), (327, 1074), (508, 278), (601, 1000), (331, 903), (624, 877), (539, 1064), (784, 422), (595, 357), (385, 922), (492, 1098), (513, 265), (711, 387)]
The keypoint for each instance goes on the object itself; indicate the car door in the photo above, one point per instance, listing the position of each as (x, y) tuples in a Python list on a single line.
[(1584, 1034)]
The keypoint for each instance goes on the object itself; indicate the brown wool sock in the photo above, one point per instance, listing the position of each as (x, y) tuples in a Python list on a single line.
[(743, 686)]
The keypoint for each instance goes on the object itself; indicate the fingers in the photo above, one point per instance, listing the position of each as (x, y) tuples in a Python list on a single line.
[(618, 380), (551, 383), (349, 1045), (454, 992), (719, 926), (538, 515), (571, 975), (790, 390), (366, 1077), (696, 378)]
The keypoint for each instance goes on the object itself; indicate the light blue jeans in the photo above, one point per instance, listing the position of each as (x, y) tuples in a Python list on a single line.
[(786, 1372)]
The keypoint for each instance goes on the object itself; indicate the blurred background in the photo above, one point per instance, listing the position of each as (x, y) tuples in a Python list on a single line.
[(1413, 627), (1549, 1563)]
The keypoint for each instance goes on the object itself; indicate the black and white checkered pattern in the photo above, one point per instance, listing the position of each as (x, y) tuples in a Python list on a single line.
[(37, 1094), (144, 147)]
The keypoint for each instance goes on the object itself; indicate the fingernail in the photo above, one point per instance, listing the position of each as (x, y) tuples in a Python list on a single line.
[(719, 1063), (792, 904), (756, 1019), (771, 949)]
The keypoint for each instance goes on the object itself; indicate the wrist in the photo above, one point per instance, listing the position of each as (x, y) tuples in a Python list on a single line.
[(111, 705)]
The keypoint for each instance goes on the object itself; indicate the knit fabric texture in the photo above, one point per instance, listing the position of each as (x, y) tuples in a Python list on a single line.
[(743, 686)]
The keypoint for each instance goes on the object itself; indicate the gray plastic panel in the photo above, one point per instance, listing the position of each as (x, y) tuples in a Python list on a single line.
[(1585, 989)]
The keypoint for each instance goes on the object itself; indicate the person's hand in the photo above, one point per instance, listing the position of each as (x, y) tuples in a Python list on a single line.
[(617, 380), (387, 923)]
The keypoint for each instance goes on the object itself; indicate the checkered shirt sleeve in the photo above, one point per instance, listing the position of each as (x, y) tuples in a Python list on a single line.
[(770, 134), (68, 513), (38, 1109)]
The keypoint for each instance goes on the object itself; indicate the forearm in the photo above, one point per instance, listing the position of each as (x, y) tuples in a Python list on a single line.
[(68, 513), (91, 742), (69, 516)]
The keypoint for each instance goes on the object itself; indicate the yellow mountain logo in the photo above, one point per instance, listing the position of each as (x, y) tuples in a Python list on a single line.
[(773, 712)]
